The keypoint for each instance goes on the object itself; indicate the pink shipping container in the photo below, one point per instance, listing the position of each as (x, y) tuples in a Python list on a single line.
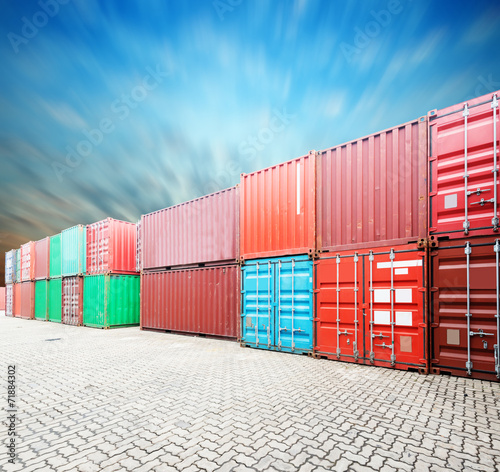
[(42, 259), (2, 298), (278, 210), (72, 301), (28, 261), (111, 247), (9, 300), (204, 230), (27, 304), (202, 301), (373, 191)]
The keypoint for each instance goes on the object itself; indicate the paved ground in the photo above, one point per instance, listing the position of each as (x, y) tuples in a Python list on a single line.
[(126, 400)]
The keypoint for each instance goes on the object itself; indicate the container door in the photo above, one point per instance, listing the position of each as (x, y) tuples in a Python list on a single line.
[(258, 304), (294, 297), (9, 300), (466, 309)]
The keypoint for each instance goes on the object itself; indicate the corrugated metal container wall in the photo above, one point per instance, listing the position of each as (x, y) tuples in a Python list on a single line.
[(358, 297), (198, 301), (2, 298), (465, 278), (55, 256), (41, 298), (17, 300), (138, 255), (111, 300), (199, 231), (278, 210), (463, 165), (73, 251), (10, 266), (27, 300), (55, 300), (111, 247), (373, 191), (72, 301), (9, 300), (18, 266), (28, 261), (277, 302), (42, 259)]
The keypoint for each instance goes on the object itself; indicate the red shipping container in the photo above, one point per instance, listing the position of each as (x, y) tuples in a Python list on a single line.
[(16, 295), (373, 191), (465, 308), (196, 301), (278, 210), (28, 261), (138, 260), (201, 231), (111, 247), (463, 169), (2, 298), (42, 259), (72, 301), (27, 305), (371, 307), (9, 300)]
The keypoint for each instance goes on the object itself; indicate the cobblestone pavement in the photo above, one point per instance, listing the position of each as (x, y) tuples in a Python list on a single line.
[(126, 400)]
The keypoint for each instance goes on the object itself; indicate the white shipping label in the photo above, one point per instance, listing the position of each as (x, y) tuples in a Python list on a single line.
[(403, 295), (382, 295), (450, 201), (401, 271), (404, 318), (382, 317), (387, 265)]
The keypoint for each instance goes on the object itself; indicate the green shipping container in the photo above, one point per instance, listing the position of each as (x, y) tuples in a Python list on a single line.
[(111, 300), (55, 300), (18, 265), (41, 297), (74, 251), (55, 255)]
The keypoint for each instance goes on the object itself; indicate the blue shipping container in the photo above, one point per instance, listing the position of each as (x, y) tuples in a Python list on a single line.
[(277, 304)]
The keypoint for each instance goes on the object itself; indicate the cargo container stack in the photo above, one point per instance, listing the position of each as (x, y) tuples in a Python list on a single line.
[(108, 295), (465, 239), (190, 279), (10, 279), (277, 248)]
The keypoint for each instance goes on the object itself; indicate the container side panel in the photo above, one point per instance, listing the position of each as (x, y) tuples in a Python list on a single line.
[(9, 300), (41, 298), (28, 261), (55, 300), (27, 310), (17, 300), (55, 256), (10, 266), (124, 300), (72, 301), (2, 298), (18, 266), (42, 259), (95, 294), (73, 250)]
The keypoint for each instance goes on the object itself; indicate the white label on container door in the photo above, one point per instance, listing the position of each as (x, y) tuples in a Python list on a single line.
[(382, 317), (401, 271), (404, 318), (450, 201), (387, 265), (403, 295), (298, 188), (382, 295)]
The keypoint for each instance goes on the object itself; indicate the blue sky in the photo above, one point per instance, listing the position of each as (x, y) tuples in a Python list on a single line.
[(185, 95)]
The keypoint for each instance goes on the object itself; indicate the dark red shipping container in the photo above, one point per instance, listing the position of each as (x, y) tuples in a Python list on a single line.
[(373, 191), (463, 169), (27, 305), (2, 298), (72, 301), (204, 230), (465, 308), (28, 261), (17, 300), (111, 247), (278, 210), (196, 301), (42, 259), (371, 307), (9, 300)]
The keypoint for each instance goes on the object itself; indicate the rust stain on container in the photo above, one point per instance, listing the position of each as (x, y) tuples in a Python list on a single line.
[(42, 259)]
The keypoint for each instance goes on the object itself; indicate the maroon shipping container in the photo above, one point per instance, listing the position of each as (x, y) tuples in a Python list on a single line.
[(138, 260), (27, 304), (197, 301), (373, 191), (111, 247), (9, 300), (72, 301), (16, 295), (278, 210), (42, 259), (2, 298), (463, 169), (204, 230), (465, 308), (28, 261)]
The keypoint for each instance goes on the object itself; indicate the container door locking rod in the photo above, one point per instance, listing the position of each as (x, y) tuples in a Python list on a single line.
[(393, 354), (268, 304), (465, 114), (279, 305), (355, 345), (257, 309), (468, 364), (494, 221), (338, 308), (372, 354), (497, 271), (293, 307)]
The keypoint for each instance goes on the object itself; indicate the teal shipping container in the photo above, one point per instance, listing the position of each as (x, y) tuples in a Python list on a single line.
[(41, 298), (55, 256), (73, 250), (111, 301), (54, 303), (18, 266)]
